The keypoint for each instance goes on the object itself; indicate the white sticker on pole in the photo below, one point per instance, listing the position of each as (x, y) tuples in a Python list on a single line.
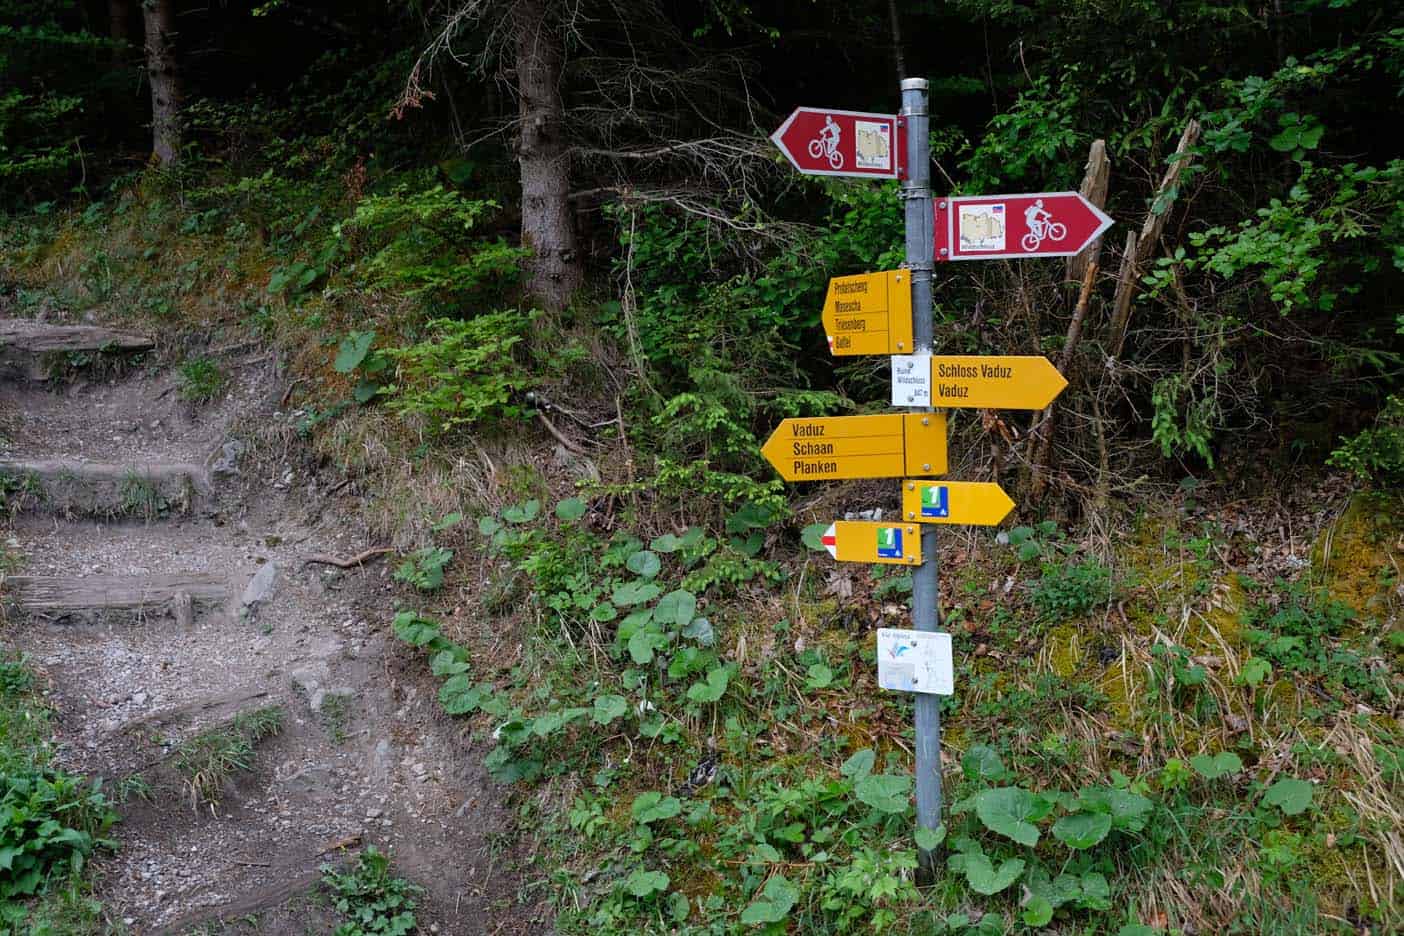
[(915, 661), (911, 380)]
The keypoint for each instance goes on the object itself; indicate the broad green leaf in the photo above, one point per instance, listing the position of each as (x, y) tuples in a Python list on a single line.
[(812, 534), (610, 707), (667, 543), (984, 879), (819, 677), (1137, 929), (1010, 811), (1096, 892), (1214, 766), (1082, 830), (653, 806), (522, 513), (644, 644), (352, 351), (365, 390), (572, 508), (604, 612), (1290, 795), (776, 899), (713, 688), (413, 629), (859, 765), (679, 908), (459, 697), (487, 526), (447, 663), (676, 607), (646, 883), (632, 593), (887, 793), (1128, 810), (930, 839), (1254, 672), (700, 630), (1037, 912), (982, 762), (750, 517), (644, 563)]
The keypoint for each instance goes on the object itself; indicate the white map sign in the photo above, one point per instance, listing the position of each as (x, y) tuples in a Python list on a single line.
[(915, 661), (911, 380)]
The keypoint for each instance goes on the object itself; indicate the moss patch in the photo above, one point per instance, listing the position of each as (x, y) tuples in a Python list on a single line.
[(1356, 557)]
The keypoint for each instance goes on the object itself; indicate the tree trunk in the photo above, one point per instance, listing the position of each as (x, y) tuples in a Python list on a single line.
[(554, 271), (119, 27), (164, 75)]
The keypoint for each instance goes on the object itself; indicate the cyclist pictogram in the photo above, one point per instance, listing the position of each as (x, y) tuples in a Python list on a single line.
[(825, 145), (1041, 227)]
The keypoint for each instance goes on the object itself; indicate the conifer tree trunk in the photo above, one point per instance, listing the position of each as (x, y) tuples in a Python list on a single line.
[(555, 271), (164, 74)]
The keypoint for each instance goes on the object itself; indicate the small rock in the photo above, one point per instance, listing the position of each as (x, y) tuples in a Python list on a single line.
[(374, 813), (227, 462), (139, 698), (261, 586)]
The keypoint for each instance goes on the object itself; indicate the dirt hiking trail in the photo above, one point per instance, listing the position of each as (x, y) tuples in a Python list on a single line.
[(166, 592)]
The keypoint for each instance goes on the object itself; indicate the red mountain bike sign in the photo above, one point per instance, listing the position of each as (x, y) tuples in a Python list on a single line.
[(843, 143), (1004, 227)]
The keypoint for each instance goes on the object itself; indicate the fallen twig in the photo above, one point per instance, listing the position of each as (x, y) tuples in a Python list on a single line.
[(358, 559)]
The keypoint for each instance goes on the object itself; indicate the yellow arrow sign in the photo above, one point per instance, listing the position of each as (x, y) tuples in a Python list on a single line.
[(977, 503), (869, 314), (992, 382), (829, 447), (871, 541)]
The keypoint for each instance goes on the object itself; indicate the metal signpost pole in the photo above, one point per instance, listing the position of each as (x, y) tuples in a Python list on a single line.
[(916, 191)]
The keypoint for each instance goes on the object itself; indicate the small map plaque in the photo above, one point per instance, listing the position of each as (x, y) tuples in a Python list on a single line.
[(915, 661)]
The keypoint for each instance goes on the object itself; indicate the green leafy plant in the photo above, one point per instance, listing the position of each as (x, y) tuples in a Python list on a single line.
[(462, 373), (424, 568), (372, 901), (201, 380)]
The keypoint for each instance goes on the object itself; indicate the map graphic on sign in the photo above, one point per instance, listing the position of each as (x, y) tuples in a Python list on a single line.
[(915, 661), (873, 145), (982, 227), (936, 501), (889, 542)]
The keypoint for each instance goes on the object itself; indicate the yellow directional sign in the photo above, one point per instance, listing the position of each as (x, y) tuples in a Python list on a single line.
[(977, 503), (829, 447), (872, 541), (994, 382), (869, 314)]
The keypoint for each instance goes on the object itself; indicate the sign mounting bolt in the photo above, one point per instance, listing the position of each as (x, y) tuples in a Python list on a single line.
[(925, 467)]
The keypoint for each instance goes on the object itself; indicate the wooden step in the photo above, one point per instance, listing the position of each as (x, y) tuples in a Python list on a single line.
[(135, 490), (28, 349), (178, 592)]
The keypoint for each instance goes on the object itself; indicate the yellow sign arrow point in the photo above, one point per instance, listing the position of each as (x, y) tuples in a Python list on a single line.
[(827, 448), (869, 314), (872, 541), (994, 382), (972, 502)]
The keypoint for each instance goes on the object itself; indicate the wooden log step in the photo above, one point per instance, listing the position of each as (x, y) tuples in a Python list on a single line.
[(67, 593), (113, 490), (28, 349)]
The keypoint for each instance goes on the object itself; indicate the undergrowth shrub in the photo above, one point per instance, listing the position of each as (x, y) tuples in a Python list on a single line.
[(371, 899), (1067, 590), (422, 243), (463, 372), (1376, 455)]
